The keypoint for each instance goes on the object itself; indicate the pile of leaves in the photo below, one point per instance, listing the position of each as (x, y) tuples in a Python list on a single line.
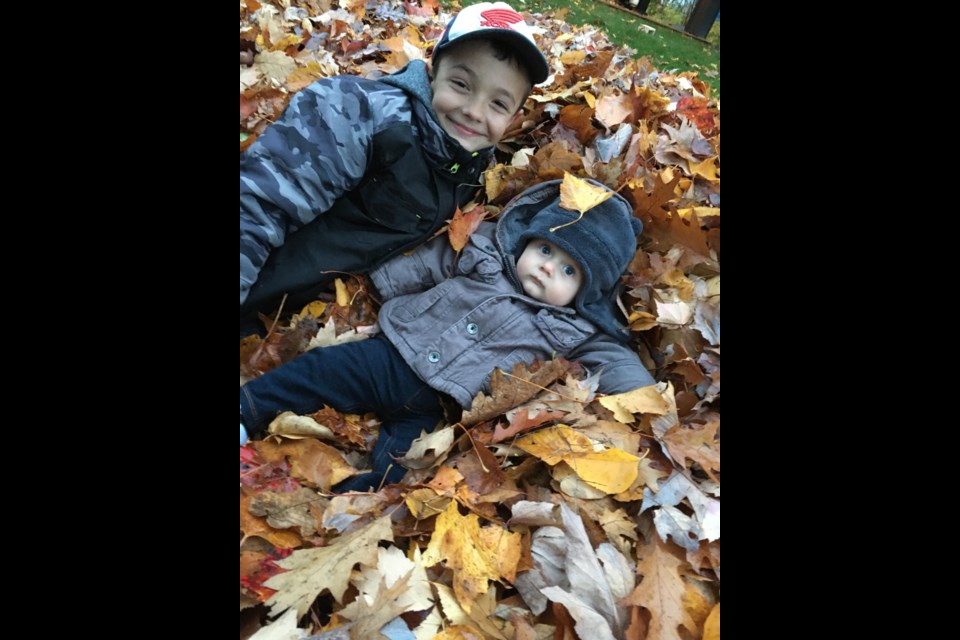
[(546, 510)]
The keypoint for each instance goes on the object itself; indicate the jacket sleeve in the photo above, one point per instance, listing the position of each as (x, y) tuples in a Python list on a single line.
[(316, 152), (427, 266), (620, 368)]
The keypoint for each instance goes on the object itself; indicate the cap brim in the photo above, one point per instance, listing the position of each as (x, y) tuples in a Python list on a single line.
[(527, 51)]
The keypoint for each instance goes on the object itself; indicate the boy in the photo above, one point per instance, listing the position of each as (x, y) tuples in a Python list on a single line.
[(357, 171), (522, 289)]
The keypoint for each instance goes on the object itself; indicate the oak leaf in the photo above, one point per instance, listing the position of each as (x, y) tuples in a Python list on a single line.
[(661, 592), (310, 571), (510, 390), (700, 445)]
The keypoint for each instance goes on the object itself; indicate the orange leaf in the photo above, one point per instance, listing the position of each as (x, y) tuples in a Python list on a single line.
[(463, 225)]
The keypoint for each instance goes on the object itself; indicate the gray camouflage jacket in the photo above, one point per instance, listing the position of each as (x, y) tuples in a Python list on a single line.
[(455, 321), (354, 172)]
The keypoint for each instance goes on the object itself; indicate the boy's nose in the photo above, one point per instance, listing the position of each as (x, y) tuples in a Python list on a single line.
[(471, 109)]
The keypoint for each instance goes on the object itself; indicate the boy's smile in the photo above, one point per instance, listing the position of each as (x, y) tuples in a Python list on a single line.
[(476, 96)]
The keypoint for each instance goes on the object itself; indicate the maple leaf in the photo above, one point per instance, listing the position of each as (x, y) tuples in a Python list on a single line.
[(613, 108), (608, 470), (661, 592), (476, 555), (463, 225), (310, 571), (510, 390)]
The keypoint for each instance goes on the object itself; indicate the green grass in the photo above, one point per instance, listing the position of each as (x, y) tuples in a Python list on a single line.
[(667, 49)]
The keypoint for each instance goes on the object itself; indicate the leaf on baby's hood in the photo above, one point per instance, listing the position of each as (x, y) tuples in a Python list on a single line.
[(577, 194)]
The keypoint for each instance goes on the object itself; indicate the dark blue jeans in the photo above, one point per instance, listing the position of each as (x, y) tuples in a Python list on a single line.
[(369, 375)]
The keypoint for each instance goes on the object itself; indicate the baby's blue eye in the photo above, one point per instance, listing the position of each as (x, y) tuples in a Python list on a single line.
[(545, 249), (570, 271)]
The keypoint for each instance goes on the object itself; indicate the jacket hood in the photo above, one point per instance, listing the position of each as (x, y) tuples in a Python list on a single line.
[(441, 148), (602, 243)]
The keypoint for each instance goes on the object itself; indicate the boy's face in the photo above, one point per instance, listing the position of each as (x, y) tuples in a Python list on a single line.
[(476, 96), (548, 273)]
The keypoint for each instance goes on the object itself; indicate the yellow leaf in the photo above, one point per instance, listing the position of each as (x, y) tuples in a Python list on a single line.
[(315, 309), (642, 400), (475, 555), (609, 470), (707, 169), (572, 57), (343, 298), (579, 195), (711, 628), (590, 98)]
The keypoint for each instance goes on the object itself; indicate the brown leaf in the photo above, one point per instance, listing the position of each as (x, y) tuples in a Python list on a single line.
[(700, 445), (251, 525), (510, 390), (553, 160), (523, 421), (580, 119)]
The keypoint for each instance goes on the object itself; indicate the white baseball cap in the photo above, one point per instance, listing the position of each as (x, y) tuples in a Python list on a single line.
[(496, 21)]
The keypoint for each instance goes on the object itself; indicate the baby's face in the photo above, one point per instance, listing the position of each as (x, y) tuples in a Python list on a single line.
[(548, 273)]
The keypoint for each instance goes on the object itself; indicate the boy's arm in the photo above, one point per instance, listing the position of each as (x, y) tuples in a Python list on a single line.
[(620, 367), (298, 167), (428, 265)]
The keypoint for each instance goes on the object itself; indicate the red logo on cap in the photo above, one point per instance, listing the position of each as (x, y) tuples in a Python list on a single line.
[(500, 18)]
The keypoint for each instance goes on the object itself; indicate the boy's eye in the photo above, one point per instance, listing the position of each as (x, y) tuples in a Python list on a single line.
[(545, 249), (499, 104), (460, 84), (570, 271)]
